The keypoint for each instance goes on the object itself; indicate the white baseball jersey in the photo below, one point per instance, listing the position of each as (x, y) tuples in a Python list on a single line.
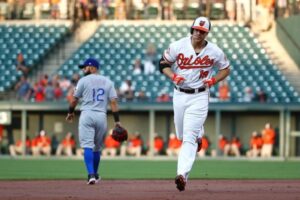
[(194, 68)]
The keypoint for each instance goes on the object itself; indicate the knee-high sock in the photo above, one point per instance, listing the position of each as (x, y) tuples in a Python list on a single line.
[(89, 160), (96, 161), (186, 158)]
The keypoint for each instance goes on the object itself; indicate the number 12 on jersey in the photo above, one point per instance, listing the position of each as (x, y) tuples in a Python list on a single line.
[(97, 93)]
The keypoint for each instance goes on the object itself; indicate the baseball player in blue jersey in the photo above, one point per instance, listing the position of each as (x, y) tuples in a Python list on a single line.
[(95, 91)]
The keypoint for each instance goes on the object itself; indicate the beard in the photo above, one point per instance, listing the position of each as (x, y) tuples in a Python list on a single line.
[(87, 73)]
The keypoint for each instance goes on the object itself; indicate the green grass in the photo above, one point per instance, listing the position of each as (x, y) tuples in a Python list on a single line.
[(27, 169)]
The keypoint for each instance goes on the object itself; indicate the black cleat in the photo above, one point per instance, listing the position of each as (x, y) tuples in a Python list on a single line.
[(180, 183)]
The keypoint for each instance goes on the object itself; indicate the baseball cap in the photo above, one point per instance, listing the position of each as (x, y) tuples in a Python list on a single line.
[(90, 62), (201, 23)]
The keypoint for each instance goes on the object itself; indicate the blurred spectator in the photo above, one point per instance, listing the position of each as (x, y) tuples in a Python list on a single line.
[(66, 146), (21, 65), (265, 14), (248, 94), (141, 96), (93, 9), (133, 147), (19, 9), (222, 143), (23, 88), (49, 92), (39, 92), (164, 97), (120, 9), (282, 8), (230, 9), (41, 144), (103, 7), (224, 91), (111, 146), (75, 79), (55, 12), (44, 79), (17, 148), (233, 148), (127, 90), (150, 60), (158, 145), (84, 4), (256, 143), (260, 96), (174, 145), (64, 84), (58, 93), (268, 136), (138, 67), (204, 148)]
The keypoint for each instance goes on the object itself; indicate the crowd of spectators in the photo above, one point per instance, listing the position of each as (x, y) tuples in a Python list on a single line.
[(261, 144), (46, 89)]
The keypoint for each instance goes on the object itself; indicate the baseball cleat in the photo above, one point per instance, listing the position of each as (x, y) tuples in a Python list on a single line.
[(98, 178), (199, 142), (180, 182), (91, 179)]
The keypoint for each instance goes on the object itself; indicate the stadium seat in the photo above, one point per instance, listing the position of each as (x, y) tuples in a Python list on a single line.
[(117, 46)]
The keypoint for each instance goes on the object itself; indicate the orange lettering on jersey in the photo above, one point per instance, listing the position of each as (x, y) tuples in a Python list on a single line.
[(187, 63)]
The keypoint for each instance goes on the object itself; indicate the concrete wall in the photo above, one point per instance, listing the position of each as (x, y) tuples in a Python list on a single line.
[(288, 31)]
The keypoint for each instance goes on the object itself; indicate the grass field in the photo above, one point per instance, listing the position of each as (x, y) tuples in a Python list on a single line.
[(33, 169)]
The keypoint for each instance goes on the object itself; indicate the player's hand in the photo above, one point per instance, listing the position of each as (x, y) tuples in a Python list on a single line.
[(70, 117), (177, 79), (210, 82)]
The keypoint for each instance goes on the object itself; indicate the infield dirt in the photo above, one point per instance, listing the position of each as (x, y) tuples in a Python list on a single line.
[(151, 190)]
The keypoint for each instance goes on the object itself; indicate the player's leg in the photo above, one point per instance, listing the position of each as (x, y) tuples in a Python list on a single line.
[(194, 118), (100, 132), (179, 110), (86, 140), (12, 150), (59, 150)]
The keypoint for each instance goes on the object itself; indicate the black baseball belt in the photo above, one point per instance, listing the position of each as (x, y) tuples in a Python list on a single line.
[(190, 90)]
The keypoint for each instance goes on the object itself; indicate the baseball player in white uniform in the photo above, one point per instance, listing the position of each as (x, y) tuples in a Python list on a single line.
[(96, 91), (189, 63)]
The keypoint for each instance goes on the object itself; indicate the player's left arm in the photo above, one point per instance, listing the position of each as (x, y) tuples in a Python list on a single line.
[(222, 74), (224, 70)]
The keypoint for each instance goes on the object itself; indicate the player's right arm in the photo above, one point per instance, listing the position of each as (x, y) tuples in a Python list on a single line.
[(72, 106), (74, 101), (165, 63)]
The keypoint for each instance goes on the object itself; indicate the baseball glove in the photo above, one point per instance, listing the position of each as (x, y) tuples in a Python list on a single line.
[(119, 134)]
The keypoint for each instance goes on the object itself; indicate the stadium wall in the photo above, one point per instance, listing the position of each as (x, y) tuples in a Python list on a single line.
[(235, 120), (287, 31)]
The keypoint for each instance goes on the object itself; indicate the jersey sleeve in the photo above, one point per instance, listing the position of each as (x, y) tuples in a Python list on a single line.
[(78, 89), (170, 53), (222, 61), (112, 93)]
